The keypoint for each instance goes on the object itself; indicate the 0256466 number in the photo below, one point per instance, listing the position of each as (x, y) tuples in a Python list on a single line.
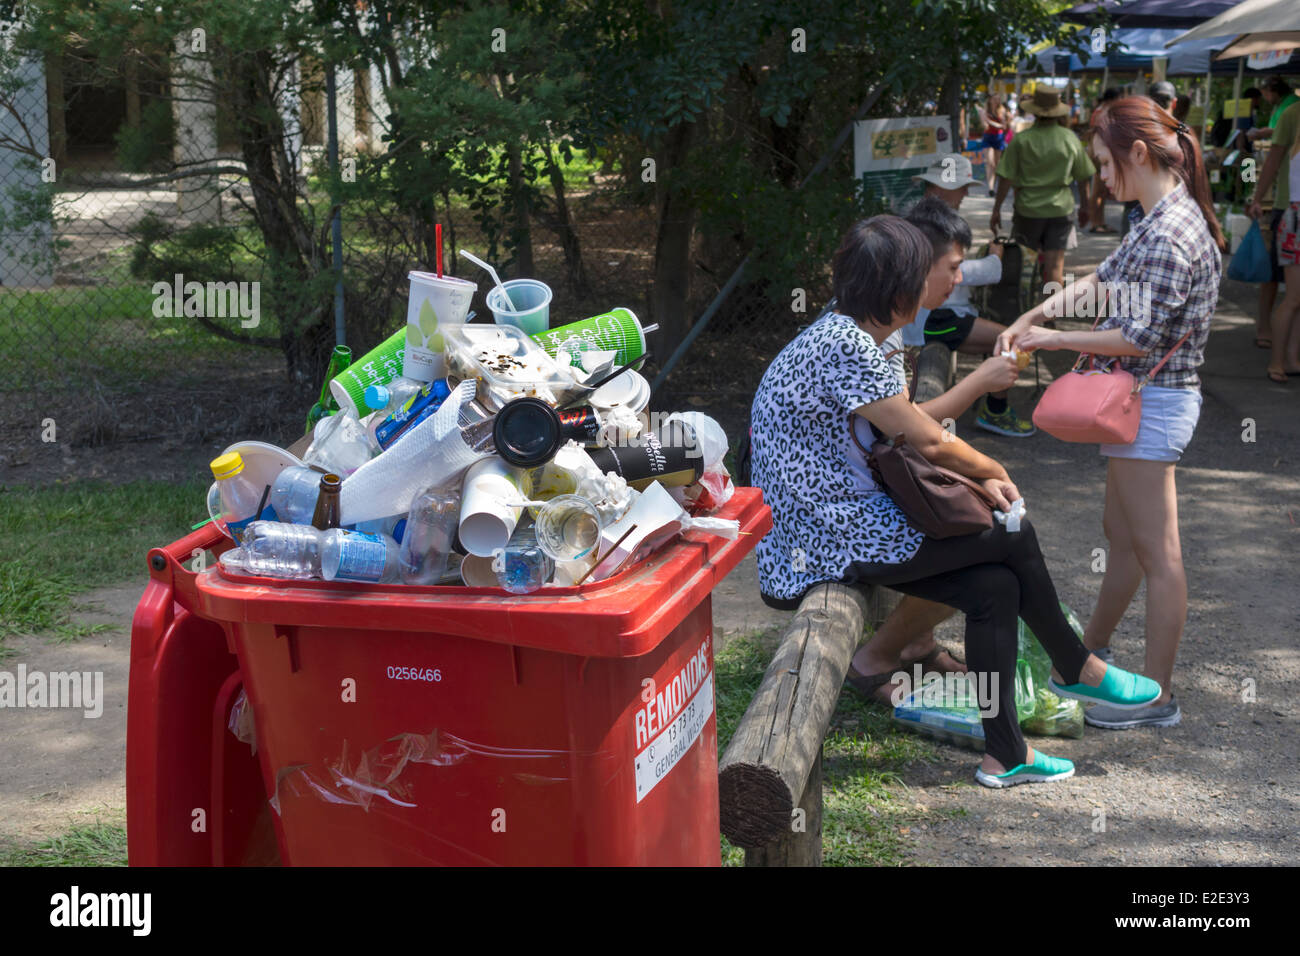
[(431, 674)]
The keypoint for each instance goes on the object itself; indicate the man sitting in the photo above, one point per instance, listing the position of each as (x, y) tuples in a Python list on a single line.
[(956, 323)]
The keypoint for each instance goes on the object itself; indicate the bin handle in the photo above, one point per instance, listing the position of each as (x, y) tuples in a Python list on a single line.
[(165, 564)]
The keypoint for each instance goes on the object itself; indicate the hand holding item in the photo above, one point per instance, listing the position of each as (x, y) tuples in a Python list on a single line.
[(1002, 490), (1039, 338), (998, 372), (995, 221), (1254, 210)]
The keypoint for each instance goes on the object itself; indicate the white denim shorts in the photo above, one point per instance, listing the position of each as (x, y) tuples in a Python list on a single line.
[(1169, 417)]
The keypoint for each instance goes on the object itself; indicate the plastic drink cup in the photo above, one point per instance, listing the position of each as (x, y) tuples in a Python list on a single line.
[(528, 308), (433, 304), (486, 521), (618, 330), (379, 366), (568, 527)]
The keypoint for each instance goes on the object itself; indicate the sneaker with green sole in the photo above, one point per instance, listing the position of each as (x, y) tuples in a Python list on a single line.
[(1042, 770), (1003, 423)]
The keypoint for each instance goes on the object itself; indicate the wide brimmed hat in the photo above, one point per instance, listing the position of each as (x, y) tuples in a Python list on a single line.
[(1046, 103), (950, 172)]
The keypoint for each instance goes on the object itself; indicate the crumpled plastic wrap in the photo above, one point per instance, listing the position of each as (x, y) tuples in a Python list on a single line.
[(376, 773), (240, 721)]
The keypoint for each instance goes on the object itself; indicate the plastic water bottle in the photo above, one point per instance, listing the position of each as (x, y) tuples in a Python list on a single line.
[(430, 530), (293, 496), (239, 496), (279, 549), (522, 566), (357, 556)]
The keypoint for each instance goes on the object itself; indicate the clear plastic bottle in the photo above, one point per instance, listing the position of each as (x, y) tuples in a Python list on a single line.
[(522, 566), (293, 496), (427, 539), (357, 556), (239, 497), (340, 444), (279, 549)]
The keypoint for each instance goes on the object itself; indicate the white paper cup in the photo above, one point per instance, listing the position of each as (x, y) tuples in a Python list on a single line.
[(529, 307), (477, 572), (486, 522), (433, 305)]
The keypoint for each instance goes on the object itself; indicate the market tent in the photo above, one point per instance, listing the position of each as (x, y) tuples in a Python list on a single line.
[(1133, 48), (1150, 13), (1262, 24)]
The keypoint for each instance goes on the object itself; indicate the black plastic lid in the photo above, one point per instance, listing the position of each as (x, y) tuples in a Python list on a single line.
[(527, 432)]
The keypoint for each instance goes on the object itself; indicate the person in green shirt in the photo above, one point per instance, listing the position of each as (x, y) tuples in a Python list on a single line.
[(1281, 131), (1274, 184), (1040, 163)]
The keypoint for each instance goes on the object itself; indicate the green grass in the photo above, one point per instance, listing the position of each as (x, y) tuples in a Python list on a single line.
[(95, 844), (59, 540), (868, 811), (65, 334)]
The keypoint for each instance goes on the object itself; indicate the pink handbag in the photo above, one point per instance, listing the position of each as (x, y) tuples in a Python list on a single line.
[(1094, 404)]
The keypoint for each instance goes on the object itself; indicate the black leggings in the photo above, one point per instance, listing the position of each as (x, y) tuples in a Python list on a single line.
[(995, 577)]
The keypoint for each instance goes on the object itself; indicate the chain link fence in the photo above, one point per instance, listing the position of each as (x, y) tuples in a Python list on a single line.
[(124, 199)]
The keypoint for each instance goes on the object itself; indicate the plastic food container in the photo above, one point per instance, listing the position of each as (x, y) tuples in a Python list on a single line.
[(507, 364)]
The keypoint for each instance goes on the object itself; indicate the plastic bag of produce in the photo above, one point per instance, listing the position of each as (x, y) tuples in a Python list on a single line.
[(1051, 716)]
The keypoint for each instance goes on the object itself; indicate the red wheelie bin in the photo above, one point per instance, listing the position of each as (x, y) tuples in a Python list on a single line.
[(398, 725)]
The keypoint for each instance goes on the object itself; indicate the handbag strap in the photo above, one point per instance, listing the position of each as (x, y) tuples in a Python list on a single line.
[(900, 440), (1139, 385)]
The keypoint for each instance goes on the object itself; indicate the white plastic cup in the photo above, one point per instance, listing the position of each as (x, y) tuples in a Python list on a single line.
[(486, 522), (528, 308), (433, 304)]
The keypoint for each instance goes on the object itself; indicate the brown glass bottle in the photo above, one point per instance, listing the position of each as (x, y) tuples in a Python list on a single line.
[(328, 513)]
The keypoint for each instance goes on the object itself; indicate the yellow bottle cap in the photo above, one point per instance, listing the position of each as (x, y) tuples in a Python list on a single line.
[(227, 466)]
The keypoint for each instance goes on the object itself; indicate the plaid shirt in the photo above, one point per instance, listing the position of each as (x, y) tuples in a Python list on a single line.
[(1168, 268)]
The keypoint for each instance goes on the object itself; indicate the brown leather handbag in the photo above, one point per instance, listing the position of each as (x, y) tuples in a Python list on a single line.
[(937, 501)]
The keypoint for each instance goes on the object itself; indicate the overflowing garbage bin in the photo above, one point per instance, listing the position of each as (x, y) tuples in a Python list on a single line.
[(466, 620)]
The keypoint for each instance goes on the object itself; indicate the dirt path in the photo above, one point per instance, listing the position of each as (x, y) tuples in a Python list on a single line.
[(62, 767)]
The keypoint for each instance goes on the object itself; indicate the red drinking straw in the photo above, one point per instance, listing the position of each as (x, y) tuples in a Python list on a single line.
[(437, 234)]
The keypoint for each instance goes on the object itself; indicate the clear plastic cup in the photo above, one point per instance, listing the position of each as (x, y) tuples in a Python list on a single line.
[(568, 527), (528, 308)]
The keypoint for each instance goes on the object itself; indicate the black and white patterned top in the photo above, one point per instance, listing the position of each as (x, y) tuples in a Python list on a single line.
[(826, 510)]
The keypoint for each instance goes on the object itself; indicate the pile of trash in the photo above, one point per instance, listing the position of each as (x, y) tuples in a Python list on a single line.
[(503, 454)]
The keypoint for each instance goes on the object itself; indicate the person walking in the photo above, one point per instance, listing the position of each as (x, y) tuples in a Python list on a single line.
[(831, 522), (1041, 163), (1173, 255), (997, 122), (1282, 334), (1267, 204)]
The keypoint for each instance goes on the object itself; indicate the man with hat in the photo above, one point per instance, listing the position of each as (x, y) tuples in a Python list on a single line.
[(1041, 163)]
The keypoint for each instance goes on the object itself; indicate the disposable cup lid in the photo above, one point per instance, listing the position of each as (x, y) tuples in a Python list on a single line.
[(527, 432)]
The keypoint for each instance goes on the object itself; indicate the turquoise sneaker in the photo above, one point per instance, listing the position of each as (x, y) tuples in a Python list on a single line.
[(1042, 770), (1119, 689)]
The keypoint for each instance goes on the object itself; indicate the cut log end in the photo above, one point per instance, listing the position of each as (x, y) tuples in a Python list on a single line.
[(755, 804)]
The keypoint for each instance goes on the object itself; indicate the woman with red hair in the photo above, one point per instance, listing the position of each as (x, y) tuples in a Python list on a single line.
[(1172, 259)]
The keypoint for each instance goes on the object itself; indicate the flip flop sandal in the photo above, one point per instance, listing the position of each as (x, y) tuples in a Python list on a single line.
[(1278, 378), (929, 659), (868, 684), (1262, 342)]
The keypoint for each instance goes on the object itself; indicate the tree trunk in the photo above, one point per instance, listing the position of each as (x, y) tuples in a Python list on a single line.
[(675, 223), (562, 224), (522, 231), (57, 110)]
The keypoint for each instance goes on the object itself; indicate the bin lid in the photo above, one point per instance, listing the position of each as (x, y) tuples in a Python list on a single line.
[(626, 615)]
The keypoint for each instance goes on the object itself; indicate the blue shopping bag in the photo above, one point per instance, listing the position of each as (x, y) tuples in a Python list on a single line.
[(1251, 263)]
